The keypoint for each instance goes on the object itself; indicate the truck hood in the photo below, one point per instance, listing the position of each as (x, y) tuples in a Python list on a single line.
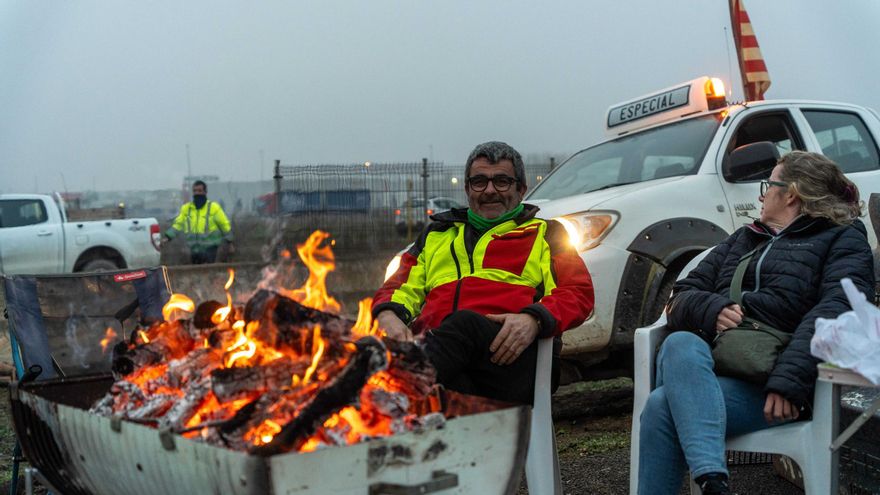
[(594, 200)]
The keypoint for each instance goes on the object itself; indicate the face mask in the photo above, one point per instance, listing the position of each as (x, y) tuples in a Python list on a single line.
[(199, 200)]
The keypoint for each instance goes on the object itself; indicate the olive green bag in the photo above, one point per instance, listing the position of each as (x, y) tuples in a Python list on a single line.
[(749, 350)]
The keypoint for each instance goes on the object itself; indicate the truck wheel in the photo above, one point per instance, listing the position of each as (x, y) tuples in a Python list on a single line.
[(100, 265)]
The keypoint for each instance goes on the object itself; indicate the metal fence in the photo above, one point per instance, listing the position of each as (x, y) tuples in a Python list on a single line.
[(368, 205)]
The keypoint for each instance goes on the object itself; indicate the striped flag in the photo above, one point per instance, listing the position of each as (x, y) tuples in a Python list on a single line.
[(755, 78)]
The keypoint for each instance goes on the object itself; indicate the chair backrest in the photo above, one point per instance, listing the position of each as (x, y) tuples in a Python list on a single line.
[(68, 324)]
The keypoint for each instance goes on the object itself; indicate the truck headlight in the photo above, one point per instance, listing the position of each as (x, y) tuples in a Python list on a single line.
[(586, 230)]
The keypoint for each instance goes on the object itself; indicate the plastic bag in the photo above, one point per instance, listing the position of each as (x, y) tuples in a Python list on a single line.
[(852, 340)]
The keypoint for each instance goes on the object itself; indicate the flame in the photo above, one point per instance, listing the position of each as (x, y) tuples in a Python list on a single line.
[(317, 351), (246, 348), (365, 324), (231, 279), (109, 335), (320, 261), (249, 343), (222, 314), (264, 433), (177, 302)]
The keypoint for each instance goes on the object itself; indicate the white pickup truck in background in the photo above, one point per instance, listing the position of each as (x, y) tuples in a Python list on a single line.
[(679, 173), (36, 238)]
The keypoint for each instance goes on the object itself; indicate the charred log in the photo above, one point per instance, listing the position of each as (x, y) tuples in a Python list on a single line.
[(235, 383), (342, 391), (204, 312), (167, 341)]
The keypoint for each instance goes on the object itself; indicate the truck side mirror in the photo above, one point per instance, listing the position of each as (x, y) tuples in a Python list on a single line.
[(750, 162)]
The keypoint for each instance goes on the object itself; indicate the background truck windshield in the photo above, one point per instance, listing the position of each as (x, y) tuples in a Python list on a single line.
[(666, 151)]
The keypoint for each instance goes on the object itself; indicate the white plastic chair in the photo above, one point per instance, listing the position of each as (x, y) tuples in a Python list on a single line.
[(806, 442), (542, 461)]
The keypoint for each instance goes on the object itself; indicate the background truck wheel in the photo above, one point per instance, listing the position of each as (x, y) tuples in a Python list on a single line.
[(99, 265)]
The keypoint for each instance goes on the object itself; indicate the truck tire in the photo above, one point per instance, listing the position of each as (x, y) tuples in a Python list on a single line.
[(99, 265)]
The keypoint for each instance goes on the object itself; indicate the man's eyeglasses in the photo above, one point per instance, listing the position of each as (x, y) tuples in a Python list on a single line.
[(502, 183), (765, 185)]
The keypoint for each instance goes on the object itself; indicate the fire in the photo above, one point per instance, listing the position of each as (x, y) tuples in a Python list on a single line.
[(177, 302), (365, 325), (222, 314), (109, 335), (320, 261), (274, 364), (317, 351)]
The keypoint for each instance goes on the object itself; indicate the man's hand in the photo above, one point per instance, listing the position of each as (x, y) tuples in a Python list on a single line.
[(777, 409), (394, 327), (729, 317), (518, 331)]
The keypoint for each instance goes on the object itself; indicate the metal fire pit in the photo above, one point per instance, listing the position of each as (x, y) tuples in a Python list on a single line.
[(83, 453)]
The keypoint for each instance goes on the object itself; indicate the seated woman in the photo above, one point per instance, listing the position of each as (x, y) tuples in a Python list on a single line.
[(808, 238)]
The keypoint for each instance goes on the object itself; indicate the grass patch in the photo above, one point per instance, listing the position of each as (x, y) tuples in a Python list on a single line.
[(596, 443)]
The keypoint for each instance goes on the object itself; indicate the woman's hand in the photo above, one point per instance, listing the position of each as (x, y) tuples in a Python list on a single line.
[(777, 408), (729, 317)]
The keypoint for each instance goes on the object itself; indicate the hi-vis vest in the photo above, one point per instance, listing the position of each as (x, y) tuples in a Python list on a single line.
[(524, 265), (203, 227)]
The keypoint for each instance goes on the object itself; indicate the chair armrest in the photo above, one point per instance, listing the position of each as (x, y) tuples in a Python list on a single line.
[(645, 344)]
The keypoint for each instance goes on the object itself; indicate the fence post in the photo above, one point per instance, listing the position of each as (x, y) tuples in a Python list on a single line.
[(277, 178), (425, 189)]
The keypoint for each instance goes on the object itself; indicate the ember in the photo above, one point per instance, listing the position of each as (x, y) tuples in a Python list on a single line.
[(285, 372)]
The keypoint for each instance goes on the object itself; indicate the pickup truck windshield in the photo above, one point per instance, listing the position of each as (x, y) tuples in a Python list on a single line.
[(665, 151)]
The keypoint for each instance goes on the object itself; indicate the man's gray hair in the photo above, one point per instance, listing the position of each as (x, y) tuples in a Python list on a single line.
[(495, 151)]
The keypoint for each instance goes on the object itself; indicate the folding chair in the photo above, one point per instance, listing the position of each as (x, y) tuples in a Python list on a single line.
[(57, 324)]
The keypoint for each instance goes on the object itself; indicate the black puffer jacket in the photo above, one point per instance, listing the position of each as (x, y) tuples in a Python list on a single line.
[(800, 271)]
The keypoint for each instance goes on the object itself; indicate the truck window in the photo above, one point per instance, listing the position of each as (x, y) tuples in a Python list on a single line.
[(774, 127), (664, 151), (844, 138), (21, 212)]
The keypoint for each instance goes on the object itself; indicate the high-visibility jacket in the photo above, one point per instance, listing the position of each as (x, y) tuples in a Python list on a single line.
[(203, 227), (523, 265)]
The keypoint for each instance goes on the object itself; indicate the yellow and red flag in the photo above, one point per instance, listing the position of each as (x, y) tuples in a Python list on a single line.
[(755, 78)]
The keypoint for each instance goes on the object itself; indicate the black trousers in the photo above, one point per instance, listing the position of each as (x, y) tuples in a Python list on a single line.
[(459, 349), (206, 256)]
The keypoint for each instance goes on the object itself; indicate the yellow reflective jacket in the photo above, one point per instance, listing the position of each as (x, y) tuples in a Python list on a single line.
[(523, 265), (202, 227)]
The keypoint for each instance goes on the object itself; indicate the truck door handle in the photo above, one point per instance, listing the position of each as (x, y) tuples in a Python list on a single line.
[(44, 233)]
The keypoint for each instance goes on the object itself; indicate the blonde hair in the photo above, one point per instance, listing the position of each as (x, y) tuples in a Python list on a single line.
[(821, 186)]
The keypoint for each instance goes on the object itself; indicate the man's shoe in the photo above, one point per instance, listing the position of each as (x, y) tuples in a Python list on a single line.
[(713, 484)]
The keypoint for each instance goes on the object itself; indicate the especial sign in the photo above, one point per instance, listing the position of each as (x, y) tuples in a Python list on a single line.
[(652, 105)]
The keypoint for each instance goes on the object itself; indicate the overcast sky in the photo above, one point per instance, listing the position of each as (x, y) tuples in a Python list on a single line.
[(108, 94)]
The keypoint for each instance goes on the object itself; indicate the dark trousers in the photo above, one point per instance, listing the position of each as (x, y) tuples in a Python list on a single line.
[(202, 257), (459, 349)]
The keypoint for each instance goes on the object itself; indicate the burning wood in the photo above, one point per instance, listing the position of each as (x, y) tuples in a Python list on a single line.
[(282, 373)]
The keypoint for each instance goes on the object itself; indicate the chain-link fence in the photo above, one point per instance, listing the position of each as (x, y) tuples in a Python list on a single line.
[(374, 206)]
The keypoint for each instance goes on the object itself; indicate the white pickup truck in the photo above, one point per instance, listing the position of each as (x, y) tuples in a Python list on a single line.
[(36, 238), (678, 174)]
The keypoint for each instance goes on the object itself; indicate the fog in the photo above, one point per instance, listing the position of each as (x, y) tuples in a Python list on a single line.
[(110, 95)]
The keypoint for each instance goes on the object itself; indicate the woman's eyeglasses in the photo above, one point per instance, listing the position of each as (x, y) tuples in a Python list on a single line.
[(765, 185), (502, 183)]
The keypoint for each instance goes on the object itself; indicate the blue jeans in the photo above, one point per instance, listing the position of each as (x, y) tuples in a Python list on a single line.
[(689, 414)]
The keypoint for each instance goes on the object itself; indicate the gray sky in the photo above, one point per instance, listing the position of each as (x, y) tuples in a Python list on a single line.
[(110, 93)]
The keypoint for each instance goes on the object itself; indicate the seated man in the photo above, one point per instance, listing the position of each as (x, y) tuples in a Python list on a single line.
[(481, 284)]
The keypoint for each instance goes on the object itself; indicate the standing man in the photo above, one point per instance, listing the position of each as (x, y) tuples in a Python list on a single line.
[(204, 226), (481, 284)]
